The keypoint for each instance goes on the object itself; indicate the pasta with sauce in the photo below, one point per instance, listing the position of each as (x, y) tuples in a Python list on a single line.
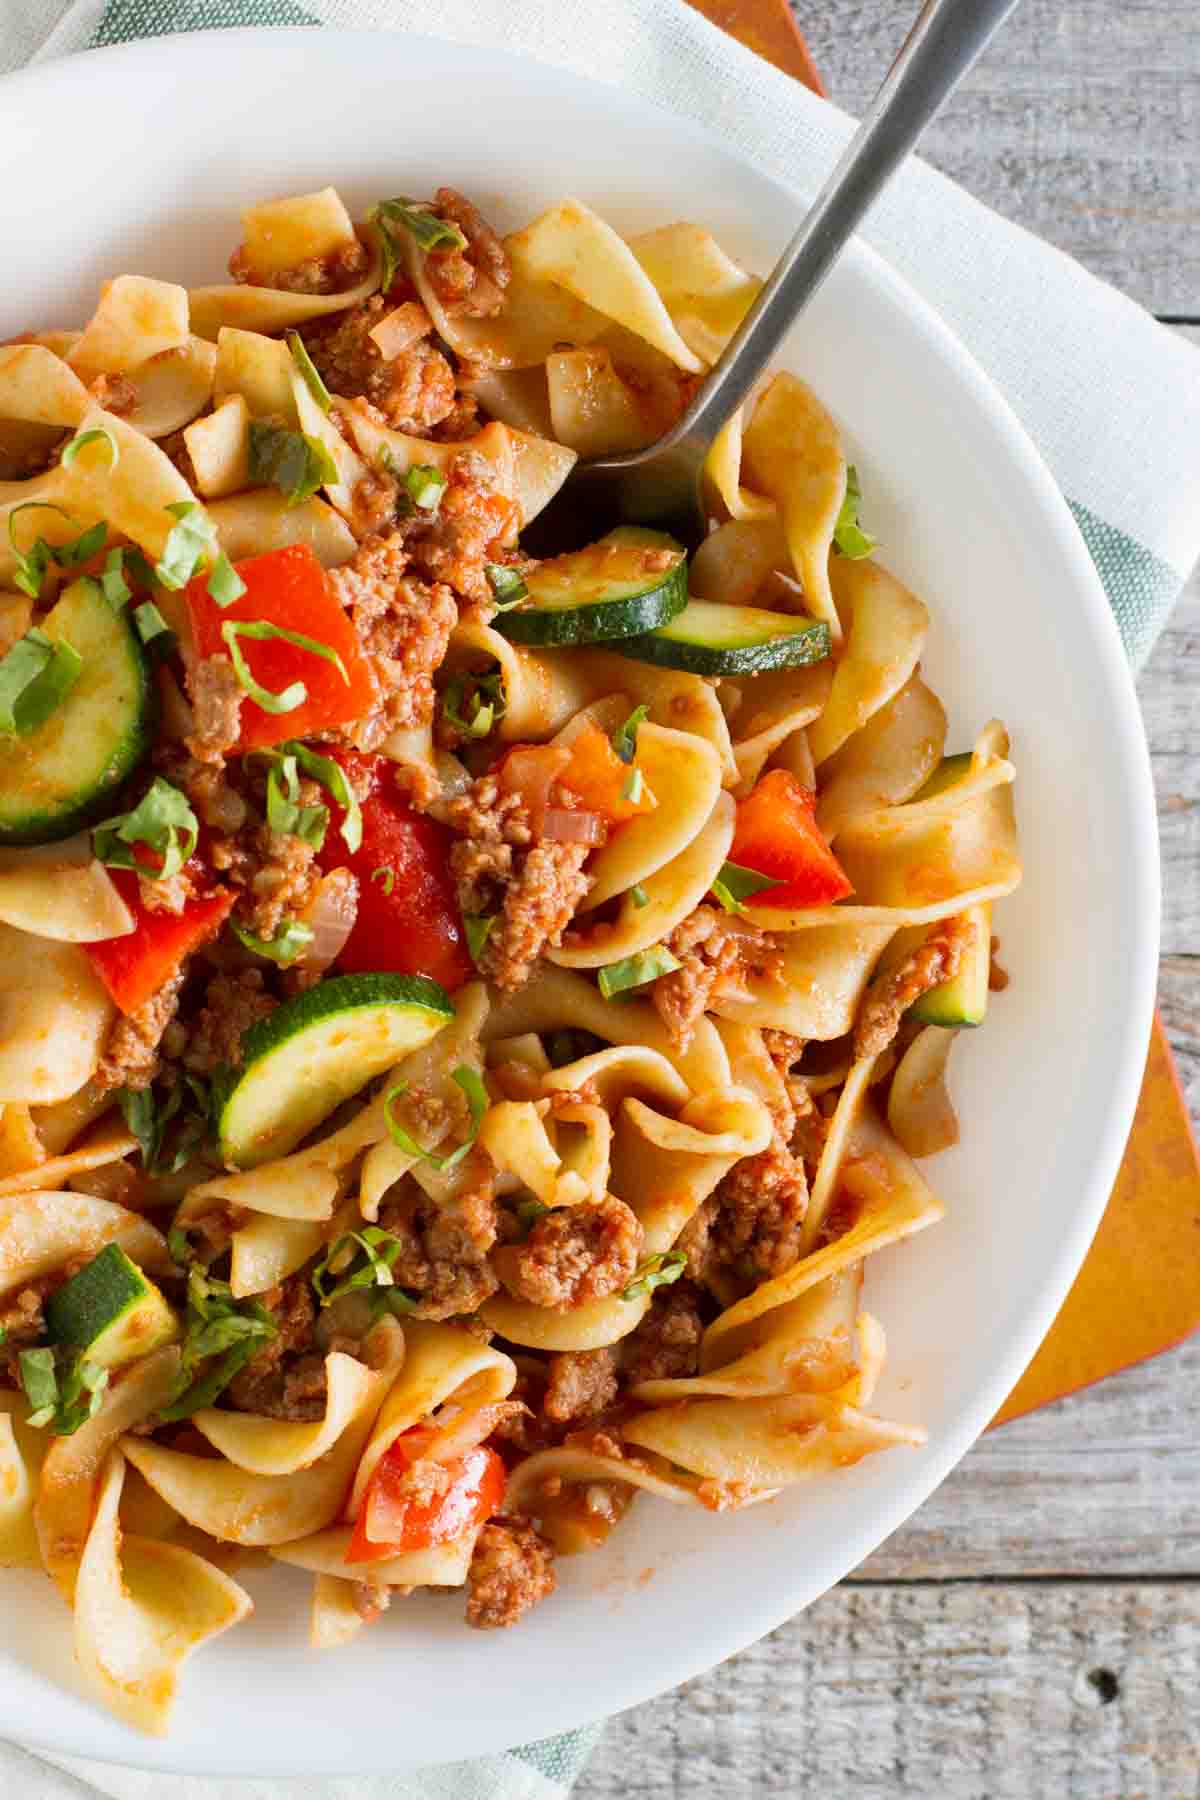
[(466, 1016)]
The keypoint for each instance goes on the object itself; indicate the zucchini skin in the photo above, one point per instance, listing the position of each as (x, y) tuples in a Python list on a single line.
[(810, 644), (38, 802), (658, 596)]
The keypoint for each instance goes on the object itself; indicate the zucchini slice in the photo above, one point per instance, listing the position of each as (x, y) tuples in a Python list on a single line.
[(632, 580), (962, 1001), (315, 1051), (710, 638), (110, 1311), (63, 774)]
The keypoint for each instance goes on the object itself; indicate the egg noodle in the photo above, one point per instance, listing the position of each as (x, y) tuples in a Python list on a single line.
[(466, 1015)]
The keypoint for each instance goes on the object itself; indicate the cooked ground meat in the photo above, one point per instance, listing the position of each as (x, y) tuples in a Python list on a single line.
[(412, 391), (404, 625), (512, 1568), (493, 825), (443, 1258), (462, 421), (470, 529), (284, 875), (760, 1208), (232, 1004), (783, 1049), (285, 1379), (217, 704), (888, 997), (330, 274), (22, 1322), (130, 1057), (717, 951), (582, 1383), (115, 393), (666, 1345), (217, 803), (166, 896), (573, 1254), (373, 504), (470, 281)]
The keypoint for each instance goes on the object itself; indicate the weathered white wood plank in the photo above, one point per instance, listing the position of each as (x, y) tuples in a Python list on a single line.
[(1169, 690), (946, 1693), (1082, 122)]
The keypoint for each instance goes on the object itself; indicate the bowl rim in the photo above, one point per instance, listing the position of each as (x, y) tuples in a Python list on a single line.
[(762, 1613)]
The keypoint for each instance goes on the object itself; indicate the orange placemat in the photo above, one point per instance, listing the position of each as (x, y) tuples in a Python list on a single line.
[(1138, 1292)]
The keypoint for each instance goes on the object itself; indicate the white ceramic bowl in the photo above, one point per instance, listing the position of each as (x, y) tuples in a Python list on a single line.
[(138, 158)]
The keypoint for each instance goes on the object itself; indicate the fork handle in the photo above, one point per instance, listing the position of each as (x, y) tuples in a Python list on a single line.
[(944, 42)]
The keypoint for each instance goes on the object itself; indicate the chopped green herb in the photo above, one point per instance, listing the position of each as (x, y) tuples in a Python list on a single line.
[(287, 945), (285, 814), (191, 541), (849, 538), (424, 486), (478, 928), (636, 971), (152, 628), (733, 884), (634, 786), (63, 1400), (656, 1271), (162, 821), (32, 564), (178, 1248), (430, 232), (148, 1119), (97, 436), (335, 781), (82, 548), (638, 894), (386, 879), (258, 630), (289, 460), (476, 1094), (624, 738), (224, 583), (35, 678), (507, 585), (368, 1256), (473, 704), (113, 585), (221, 1334), (528, 1214), (40, 1382), (308, 370)]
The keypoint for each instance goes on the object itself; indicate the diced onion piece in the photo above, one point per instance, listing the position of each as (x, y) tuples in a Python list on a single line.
[(330, 916), (566, 827), (399, 329)]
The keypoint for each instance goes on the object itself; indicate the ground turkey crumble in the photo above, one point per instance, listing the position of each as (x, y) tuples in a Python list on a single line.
[(411, 391), (404, 626), (469, 281), (582, 1383), (131, 1051), (573, 1254), (285, 1379), (444, 1245), (888, 997), (717, 952), (666, 1345), (512, 1568), (329, 274)]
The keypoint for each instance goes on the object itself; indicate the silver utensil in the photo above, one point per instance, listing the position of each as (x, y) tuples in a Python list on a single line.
[(662, 482)]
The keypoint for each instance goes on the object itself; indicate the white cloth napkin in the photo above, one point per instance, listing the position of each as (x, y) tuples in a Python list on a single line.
[(1110, 397)]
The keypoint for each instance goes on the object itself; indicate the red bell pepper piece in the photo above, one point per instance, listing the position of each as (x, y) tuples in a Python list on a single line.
[(585, 775), (408, 922), (288, 587), (133, 968), (777, 834), (391, 1521)]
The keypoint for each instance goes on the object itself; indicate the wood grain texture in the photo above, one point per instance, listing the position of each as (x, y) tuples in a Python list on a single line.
[(1082, 122), (947, 1693)]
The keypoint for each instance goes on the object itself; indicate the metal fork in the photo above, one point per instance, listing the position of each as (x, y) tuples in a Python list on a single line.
[(662, 482)]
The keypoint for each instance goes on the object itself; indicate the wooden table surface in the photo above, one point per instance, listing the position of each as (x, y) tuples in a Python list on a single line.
[(1033, 1633)]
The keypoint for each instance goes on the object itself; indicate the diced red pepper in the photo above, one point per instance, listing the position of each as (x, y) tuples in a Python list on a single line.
[(777, 834), (133, 968), (289, 588), (585, 775), (408, 922), (391, 1521)]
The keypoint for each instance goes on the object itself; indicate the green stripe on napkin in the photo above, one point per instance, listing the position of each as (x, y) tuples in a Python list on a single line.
[(1141, 588), (129, 19)]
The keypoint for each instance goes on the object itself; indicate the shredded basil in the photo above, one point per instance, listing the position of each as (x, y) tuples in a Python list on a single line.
[(288, 943), (221, 1333), (423, 224), (634, 786), (224, 584), (285, 815), (333, 778), (308, 370), (476, 716), (40, 1382), (82, 548), (63, 1398), (424, 486), (528, 1214), (191, 541), (655, 1271), (386, 879), (113, 585), (638, 895), (733, 884), (368, 1255), (258, 631), (152, 628), (478, 929), (98, 435), (178, 1248), (291, 461), (849, 538), (162, 820), (148, 1118), (35, 678), (636, 971), (624, 738), (32, 564), (507, 585), (476, 1094)]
